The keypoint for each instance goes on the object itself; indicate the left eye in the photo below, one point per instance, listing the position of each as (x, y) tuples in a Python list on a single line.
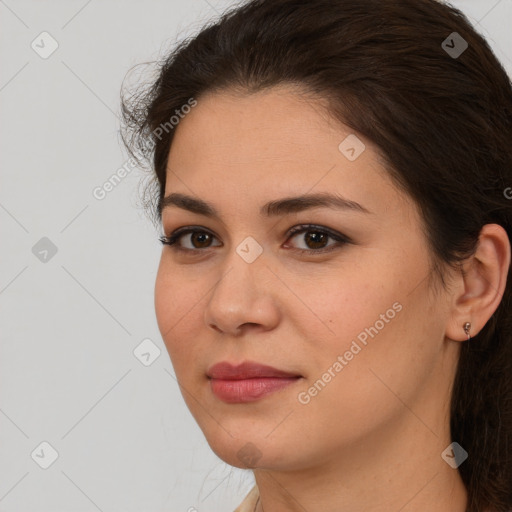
[(315, 239)]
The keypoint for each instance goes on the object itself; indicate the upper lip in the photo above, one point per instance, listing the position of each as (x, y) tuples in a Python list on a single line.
[(245, 370)]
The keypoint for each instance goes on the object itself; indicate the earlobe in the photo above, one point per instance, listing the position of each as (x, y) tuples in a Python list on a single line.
[(484, 280)]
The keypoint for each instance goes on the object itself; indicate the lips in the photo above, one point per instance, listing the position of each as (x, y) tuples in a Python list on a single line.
[(247, 382), (246, 370)]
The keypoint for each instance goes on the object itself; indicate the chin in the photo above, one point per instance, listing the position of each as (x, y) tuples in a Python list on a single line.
[(250, 452)]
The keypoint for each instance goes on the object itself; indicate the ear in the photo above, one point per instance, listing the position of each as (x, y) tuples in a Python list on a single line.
[(479, 290)]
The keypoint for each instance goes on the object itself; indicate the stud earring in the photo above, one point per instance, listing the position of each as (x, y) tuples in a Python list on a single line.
[(467, 326)]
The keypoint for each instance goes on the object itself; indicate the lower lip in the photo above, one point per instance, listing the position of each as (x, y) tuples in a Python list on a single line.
[(248, 390)]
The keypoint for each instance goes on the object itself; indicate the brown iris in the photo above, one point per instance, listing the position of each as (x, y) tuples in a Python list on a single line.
[(316, 238)]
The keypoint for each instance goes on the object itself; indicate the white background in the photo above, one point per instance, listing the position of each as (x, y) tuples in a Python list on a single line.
[(69, 326)]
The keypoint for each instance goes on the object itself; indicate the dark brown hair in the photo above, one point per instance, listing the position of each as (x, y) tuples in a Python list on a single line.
[(442, 122)]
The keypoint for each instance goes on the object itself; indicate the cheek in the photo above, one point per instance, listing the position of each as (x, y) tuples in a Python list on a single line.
[(179, 307), (387, 349), (174, 302), (176, 292), (165, 300), (341, 304), (367, 318)]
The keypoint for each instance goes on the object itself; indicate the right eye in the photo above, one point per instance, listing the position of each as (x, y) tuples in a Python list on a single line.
[(198, 238)]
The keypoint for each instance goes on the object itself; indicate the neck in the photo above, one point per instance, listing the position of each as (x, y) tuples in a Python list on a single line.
[(401, 469)]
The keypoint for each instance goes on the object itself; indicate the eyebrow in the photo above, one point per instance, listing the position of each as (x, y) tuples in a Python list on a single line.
[(274, 208)]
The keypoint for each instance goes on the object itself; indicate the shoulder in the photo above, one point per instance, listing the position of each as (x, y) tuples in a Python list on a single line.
[(249, 501)]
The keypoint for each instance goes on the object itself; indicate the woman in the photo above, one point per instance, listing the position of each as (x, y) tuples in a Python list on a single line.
[(333, 182)]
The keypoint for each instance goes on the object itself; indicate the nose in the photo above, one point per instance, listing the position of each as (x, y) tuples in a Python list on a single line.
[(243, 297)]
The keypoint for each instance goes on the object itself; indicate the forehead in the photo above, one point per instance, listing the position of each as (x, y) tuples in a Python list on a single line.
[(277, 128), (274, 143), (280, 117)]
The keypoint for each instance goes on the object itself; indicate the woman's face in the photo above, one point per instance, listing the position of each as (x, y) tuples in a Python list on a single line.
[(356, 324)]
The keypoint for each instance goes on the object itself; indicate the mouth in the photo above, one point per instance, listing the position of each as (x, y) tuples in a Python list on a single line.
[(246, 370), (248, 381)]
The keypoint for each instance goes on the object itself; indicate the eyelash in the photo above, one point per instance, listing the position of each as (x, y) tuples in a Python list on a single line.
[(303, 228)]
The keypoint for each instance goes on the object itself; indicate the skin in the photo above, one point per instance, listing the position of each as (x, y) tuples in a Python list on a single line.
[(371, 439)]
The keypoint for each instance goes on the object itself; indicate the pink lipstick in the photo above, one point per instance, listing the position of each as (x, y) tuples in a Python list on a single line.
[(247, 382)]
